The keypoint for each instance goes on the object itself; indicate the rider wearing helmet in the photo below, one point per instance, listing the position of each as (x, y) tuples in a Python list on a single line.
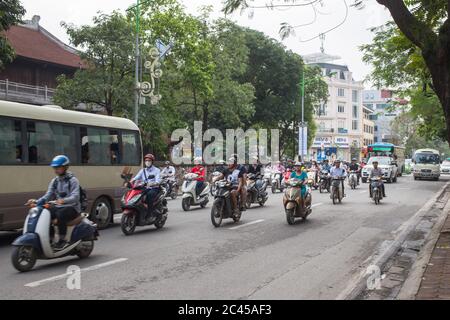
[(300, 174), (168, 171), (201, 172), (377, 173), (236, 175), (65, 189), (338, 171), (354, 166), (150, 175)]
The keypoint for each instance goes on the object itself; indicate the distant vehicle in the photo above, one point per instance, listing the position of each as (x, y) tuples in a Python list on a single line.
[(382, 149), (387, 164), (445, 167), (427, 164), (98, 147)]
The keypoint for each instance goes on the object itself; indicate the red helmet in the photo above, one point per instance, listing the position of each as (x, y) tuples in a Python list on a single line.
[(149, 157)]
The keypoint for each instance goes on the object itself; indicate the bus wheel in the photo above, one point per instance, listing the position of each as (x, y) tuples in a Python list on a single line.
[(101, 213)]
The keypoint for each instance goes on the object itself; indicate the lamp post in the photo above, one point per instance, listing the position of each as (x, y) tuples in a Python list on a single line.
[(302, 122)]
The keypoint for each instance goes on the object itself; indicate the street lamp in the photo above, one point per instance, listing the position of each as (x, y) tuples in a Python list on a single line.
[(302, 122)]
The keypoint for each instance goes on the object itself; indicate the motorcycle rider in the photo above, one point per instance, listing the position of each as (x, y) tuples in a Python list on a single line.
[(201, 172), (149, 174), (300, 174), (326, 165), (65, 188), (315, 167), (255, 168), (236, 174), (354, 166), (338, 172), (279, 167), (377, 173), (168, 171)]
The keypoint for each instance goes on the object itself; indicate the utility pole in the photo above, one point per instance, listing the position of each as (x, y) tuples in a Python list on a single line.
[(302, 122), (138, 57)]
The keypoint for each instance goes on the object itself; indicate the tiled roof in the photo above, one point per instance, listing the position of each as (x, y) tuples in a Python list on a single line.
[(38, 44)]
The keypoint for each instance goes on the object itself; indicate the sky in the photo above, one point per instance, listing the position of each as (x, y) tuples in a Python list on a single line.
[(344, 41)]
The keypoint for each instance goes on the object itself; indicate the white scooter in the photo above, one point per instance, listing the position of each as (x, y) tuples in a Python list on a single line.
[(353, 179), (190, 197), (277, 183), (36, 240)]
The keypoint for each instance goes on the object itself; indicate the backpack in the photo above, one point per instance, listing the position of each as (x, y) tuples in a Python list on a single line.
[(83, 194)]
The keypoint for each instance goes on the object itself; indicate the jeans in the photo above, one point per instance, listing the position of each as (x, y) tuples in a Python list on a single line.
[(63, 215)]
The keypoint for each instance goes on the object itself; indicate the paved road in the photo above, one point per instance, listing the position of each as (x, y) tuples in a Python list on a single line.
[(264, 258)]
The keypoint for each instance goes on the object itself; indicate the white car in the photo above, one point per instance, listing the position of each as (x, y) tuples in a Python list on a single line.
[(445, 167), (387, 164)]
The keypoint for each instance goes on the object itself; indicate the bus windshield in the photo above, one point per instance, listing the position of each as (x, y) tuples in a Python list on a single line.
[(427, 158)]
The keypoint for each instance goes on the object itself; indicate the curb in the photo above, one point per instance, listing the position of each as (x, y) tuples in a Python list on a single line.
[(412, 283), (359, 283)]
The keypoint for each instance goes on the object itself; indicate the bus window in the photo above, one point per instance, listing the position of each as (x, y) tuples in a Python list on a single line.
[(100, 146), (11, 151), (131, 148), (46, 140)]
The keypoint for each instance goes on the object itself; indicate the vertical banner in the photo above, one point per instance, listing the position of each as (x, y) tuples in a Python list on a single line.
[(303, 142)]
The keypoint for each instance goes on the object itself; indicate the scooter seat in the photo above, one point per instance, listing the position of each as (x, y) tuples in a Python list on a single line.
[(75, 221)]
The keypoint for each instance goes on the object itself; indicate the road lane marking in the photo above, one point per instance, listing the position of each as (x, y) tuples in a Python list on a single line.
[(246, 224), (365, 191), (316, 205), (62, 276)]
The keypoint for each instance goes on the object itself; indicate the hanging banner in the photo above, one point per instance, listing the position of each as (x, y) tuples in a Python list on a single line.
[(303, 141)]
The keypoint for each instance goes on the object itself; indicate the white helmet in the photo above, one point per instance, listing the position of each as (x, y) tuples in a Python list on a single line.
[(198, 160)]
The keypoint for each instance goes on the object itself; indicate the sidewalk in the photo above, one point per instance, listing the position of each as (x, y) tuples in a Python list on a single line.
[(435, 282)]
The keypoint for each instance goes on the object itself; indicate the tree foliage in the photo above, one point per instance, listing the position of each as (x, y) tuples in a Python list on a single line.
[(11, 13)]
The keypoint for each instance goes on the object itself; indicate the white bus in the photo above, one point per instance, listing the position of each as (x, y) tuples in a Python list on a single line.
[(98, 147)]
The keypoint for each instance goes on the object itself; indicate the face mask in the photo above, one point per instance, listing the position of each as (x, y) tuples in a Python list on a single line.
[(148, 164)]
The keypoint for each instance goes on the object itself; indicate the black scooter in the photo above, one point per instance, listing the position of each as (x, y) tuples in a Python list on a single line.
[(222, 207)]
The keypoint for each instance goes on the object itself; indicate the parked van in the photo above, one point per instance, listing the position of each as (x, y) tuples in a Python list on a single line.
[(427, 164)]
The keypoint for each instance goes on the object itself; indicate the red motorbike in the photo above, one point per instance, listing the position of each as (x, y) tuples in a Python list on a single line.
[(135, 210)]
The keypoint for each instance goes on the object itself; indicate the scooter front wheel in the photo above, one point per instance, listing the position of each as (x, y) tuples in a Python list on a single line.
[(128, 224), (86, 248), (23, 258), (216, 215), (186, 204)]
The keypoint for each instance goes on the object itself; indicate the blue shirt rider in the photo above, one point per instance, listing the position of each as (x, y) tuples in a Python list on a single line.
[(326, 166), (150, 175)]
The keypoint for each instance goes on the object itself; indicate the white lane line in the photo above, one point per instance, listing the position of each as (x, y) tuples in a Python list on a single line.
[(365, 191), (246, 224), (316, 205), (62, 276)]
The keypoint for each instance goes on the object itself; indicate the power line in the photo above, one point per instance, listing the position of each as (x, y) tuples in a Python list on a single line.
[(267, 6), (334, 28)]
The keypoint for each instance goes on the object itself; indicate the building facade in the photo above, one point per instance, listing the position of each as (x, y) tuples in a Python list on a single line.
[(382, 104), (343, 124), (40, 59)]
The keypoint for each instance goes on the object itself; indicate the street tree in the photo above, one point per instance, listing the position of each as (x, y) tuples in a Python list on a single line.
[(106, 80), (11, 13), (423, 22)]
